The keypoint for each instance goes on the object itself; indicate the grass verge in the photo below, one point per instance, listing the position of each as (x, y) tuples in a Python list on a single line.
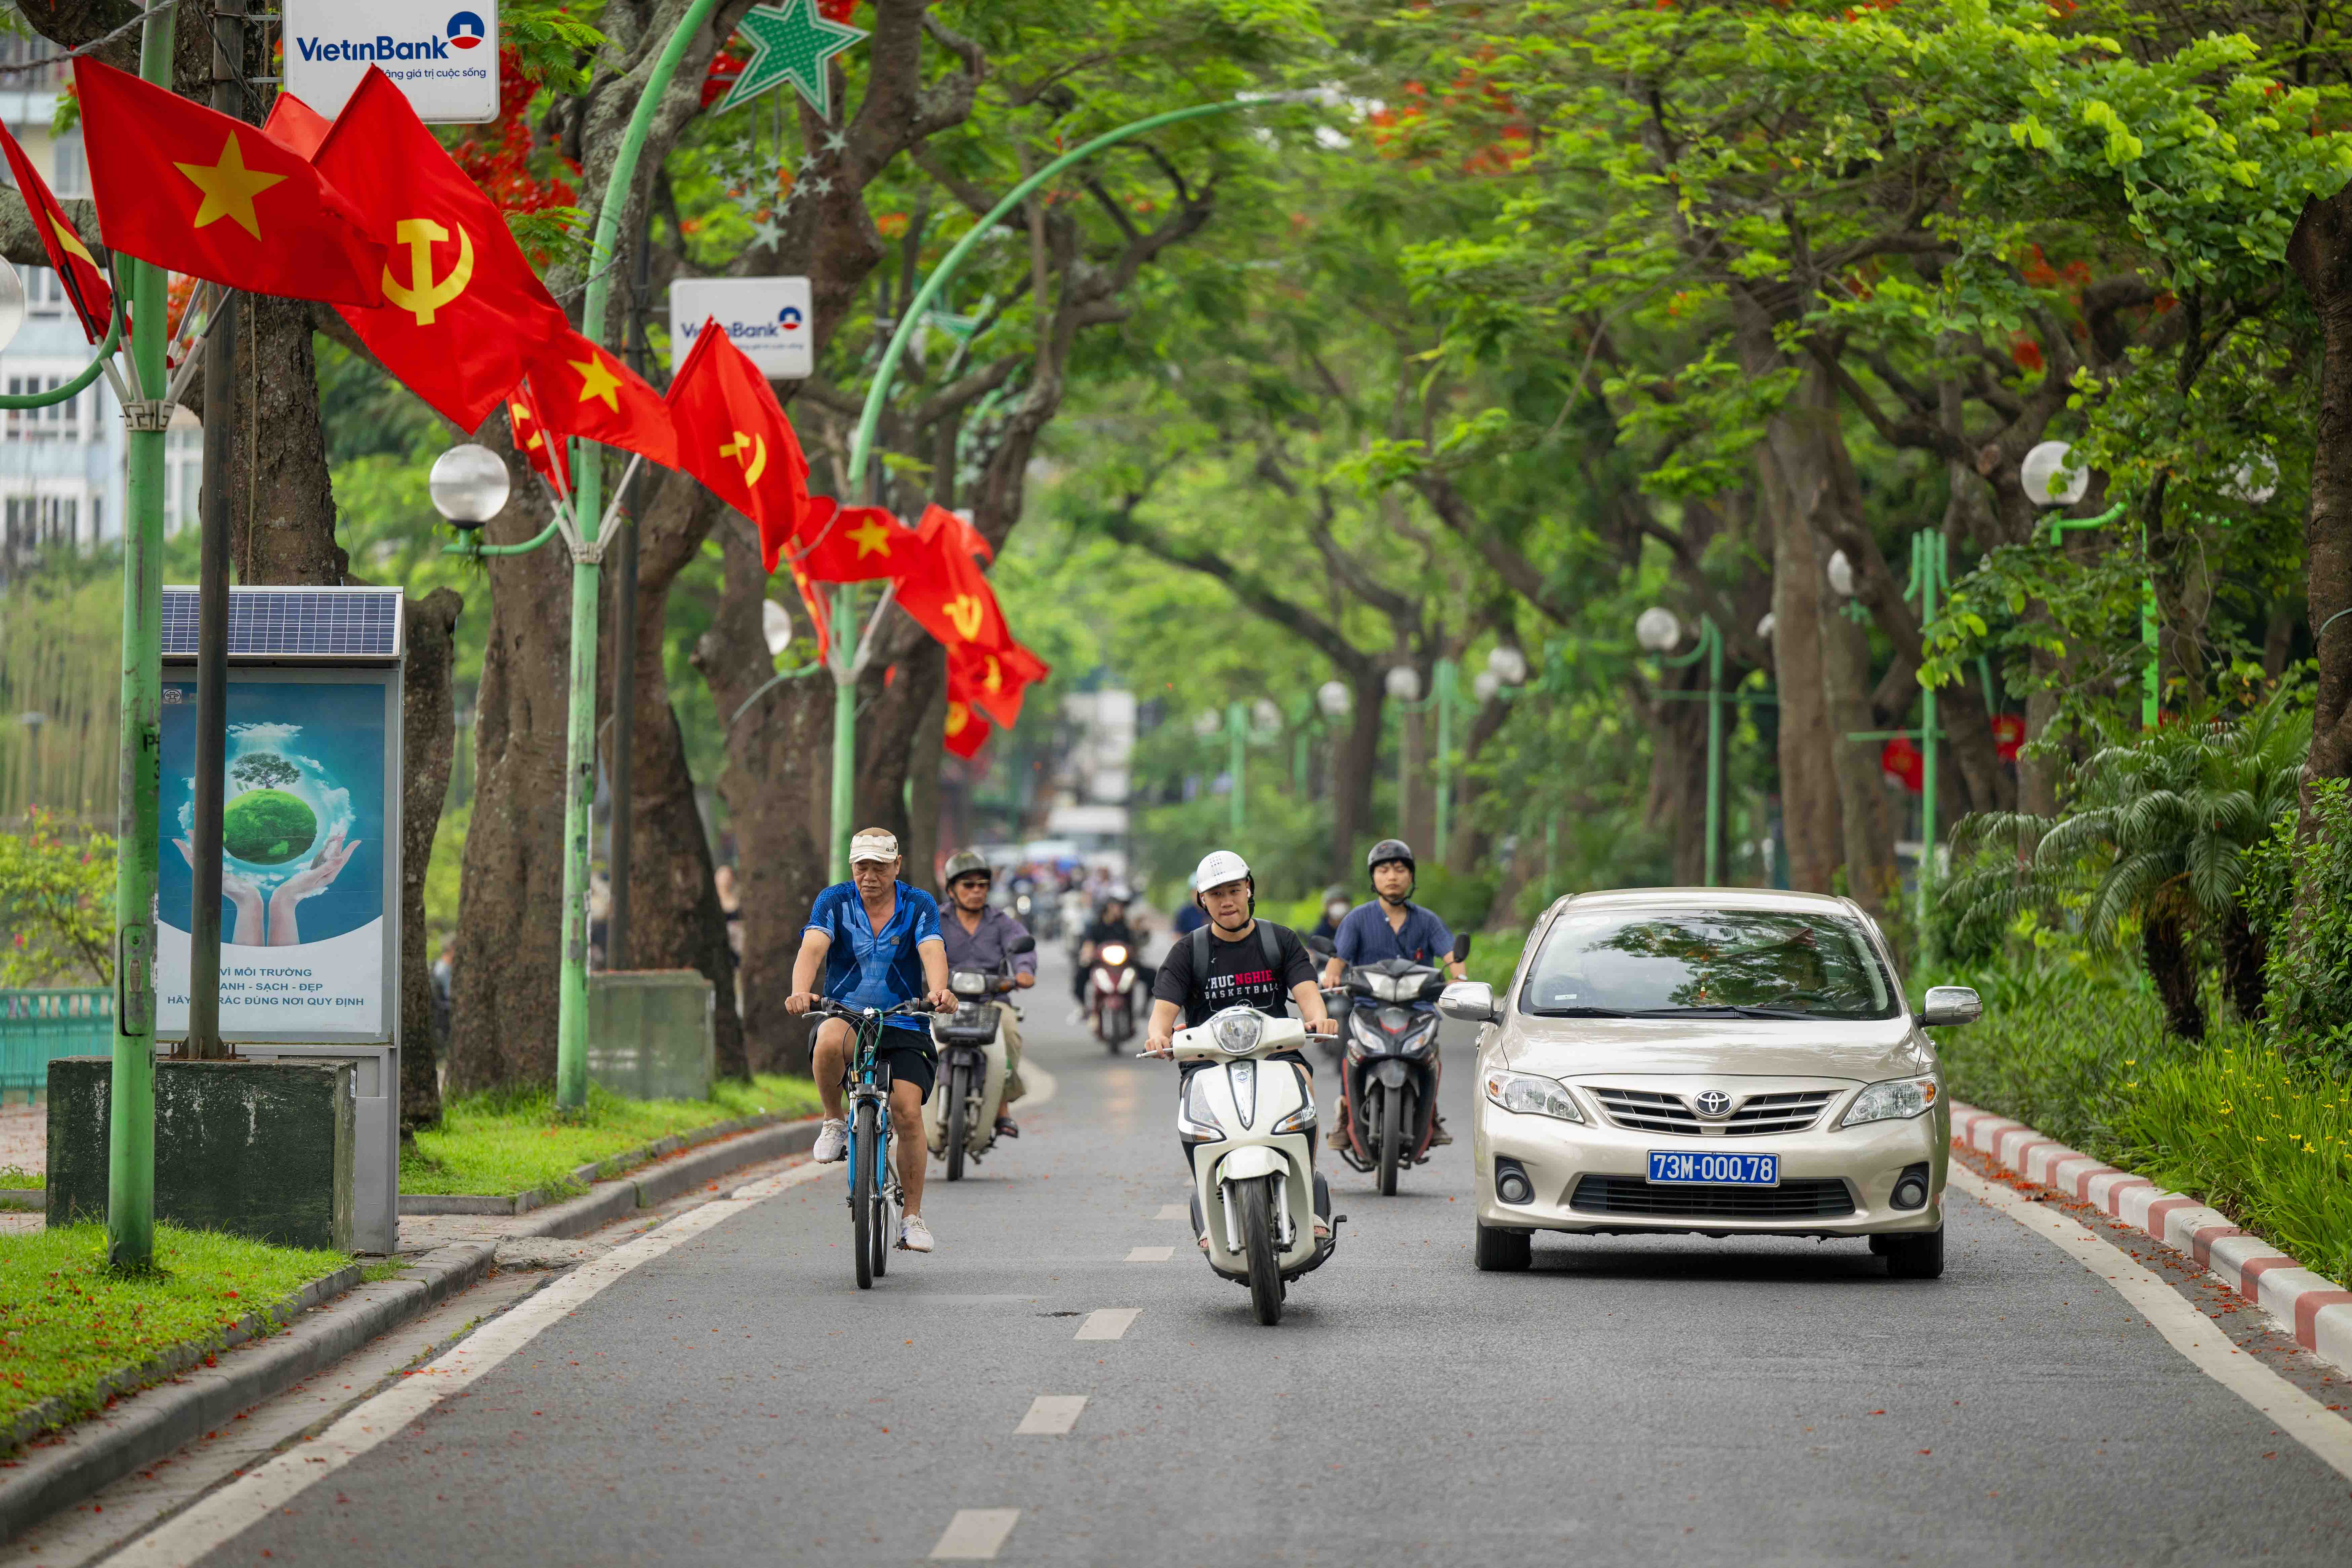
[(2228, 1121), (502, 1144), (67, 1320), (18, 1179)]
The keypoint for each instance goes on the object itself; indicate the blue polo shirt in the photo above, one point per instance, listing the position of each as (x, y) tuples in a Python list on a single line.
[(1365, 937), (866, 968)]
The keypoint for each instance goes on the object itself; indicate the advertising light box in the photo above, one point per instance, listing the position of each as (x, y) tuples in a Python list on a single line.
[(443, 54)]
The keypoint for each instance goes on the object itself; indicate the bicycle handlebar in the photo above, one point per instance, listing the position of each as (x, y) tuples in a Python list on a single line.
[(826, 1007)]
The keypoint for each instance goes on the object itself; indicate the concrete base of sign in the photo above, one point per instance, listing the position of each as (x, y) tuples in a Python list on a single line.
[(651, 1034), (258, 1148)]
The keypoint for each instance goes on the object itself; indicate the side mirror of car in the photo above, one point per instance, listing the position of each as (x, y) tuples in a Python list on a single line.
[(1321, 947), (1024, 942), (1949, 1006), (1460, 947), (1471, 1001)]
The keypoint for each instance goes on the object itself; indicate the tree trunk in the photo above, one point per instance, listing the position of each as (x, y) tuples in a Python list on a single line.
[(1356, 770), (1864, 813), (429, 735), (1677, 797), (1809, 821), (281, 500), (2320, 253), (1473, 838), (2244, 955), (2165, 947)]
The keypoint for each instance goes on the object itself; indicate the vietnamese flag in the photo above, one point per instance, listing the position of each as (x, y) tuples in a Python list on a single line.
[(462, 311), (732, 436), (541, 447), (586, 391), (975, 542), (184, 187), (993, 682), (967, 731), (852, 544), (948, 594), (86, 286), (295, 124), (813, 600)]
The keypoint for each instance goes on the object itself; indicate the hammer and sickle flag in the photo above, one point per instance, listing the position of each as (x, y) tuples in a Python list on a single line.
[(993, 683), (541, 447), (184, 187), (967, 732), (93, 302), (734, 436), (463, 315), (851, 543), (946, 592), (584, 390)]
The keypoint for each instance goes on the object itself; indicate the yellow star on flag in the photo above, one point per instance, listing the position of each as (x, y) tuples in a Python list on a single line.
[(872, 537), (597, 381), (229, 187)]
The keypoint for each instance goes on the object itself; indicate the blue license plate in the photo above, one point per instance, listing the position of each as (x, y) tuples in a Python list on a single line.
[(1727, 1170)]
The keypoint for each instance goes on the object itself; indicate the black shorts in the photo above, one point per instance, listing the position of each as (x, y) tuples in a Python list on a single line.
[(918, 1064)]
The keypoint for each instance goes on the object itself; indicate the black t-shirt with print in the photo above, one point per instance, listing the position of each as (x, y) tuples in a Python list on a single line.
[(1237, 977)]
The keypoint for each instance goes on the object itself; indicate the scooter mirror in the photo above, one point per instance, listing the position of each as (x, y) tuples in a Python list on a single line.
[(1024, 942), (1321, 946), (1460, 947)]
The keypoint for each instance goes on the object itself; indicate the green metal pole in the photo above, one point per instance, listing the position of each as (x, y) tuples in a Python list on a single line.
[(1929, 548), (130, 1105), (1447, 677), (1713, 744), (587, 511), (845, 734), (844, 712), (1236, 761), (2152, 682)]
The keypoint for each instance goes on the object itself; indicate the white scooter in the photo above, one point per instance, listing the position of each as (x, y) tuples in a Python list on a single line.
[(959, 1117), (1248, 1127)]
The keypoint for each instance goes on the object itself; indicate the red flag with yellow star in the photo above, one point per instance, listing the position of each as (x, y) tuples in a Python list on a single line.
[(732, 436), (86, 286), (967, 731), (184, 187), (294, 123), (463, 314), (946, 592), (587, 391), (540, 447), (993, 682), (851, 543)]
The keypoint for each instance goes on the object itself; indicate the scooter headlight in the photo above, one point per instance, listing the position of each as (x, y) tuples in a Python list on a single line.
[(1196, 1120), (1237, 1032), (1114, 954)]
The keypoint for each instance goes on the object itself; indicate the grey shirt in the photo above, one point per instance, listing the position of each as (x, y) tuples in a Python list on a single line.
[(983, 949)]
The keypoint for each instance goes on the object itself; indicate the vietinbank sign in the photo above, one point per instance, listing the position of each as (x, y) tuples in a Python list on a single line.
[(443, 54), (766, 318)]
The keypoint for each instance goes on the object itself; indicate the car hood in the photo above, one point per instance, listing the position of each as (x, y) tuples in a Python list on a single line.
[(1863, 1051)]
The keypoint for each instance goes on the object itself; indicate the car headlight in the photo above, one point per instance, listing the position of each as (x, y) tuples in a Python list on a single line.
[(1532, 1096), (1237, 1031), (1898, 1099)]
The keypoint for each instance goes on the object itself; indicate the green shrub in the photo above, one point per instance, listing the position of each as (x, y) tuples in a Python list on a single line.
[(2306, 891), (56, 904)]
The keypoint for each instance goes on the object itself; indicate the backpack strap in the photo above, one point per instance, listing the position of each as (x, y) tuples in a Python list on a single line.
[(1200, 952), (1270, 944)]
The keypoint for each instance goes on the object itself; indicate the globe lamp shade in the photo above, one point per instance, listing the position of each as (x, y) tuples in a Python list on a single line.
[(1334, 699), (1508, 664), (1657, 629), (1403, 682), (469, 485), (2048, 480), (12, 302)]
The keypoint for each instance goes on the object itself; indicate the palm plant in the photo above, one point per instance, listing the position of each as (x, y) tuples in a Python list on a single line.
[(2155, 835)]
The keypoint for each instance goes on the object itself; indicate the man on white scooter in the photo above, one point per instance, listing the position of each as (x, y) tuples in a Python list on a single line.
[(978, 938), (1235, 961)]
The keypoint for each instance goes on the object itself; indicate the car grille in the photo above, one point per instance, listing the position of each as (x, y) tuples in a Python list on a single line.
[(1647, 1111), (1634, 1198)]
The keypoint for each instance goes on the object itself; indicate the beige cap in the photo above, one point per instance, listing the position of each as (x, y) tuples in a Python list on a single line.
[(873, 846)]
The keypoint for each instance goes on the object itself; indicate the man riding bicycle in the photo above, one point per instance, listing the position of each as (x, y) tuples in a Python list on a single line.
[(878, 943)]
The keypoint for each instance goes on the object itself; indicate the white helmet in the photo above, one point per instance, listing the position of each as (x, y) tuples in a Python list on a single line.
[(1217, 868)]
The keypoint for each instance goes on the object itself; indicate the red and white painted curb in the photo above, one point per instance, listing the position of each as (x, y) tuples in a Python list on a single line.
[(2313, 1306)]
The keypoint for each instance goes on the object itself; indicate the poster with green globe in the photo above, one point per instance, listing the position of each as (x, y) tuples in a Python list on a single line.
[(303, 917)]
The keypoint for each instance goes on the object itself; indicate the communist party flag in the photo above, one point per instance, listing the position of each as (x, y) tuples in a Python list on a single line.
[(732, 436), (851, 544), (586, 391), (86, 286), (541, 447), (294, 123), (184, 187), (462, 311), (946, 592), (813, 600), (967, 731), (993, 682)]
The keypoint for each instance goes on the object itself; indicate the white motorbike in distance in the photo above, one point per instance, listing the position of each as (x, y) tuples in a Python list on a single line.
[(959, 1118), (1111, 999), (1247, 1125)]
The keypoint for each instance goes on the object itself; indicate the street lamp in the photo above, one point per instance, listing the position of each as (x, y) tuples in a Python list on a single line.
[(1335, 698), (2050, 483), (1841, 574), (1657, 629), (469, 485), (2047, 479)]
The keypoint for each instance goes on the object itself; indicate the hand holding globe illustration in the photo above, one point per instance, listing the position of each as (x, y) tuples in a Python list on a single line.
[(272, 822)]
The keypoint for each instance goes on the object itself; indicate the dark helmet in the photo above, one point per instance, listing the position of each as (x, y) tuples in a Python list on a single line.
[(1389, 849), (963, 863)]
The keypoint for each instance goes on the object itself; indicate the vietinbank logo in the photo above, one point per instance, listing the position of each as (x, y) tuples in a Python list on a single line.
[(444, 61), (379, 49), (766, 318), (464, 31)]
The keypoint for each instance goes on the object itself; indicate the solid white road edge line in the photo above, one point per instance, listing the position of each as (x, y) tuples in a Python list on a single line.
[(2191, 1333), (228, 1513), (976, 1533)]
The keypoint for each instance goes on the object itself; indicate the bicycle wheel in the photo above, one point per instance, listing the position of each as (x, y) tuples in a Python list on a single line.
[(864, 1162), (886, 1200)]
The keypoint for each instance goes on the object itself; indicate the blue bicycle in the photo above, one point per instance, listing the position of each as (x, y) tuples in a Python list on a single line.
[(875, 1199)]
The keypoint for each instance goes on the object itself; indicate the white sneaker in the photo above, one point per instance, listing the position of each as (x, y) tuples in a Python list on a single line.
[(832, 1144), (914, 1235)]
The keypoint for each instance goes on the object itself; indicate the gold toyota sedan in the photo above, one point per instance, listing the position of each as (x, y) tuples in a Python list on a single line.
[(1718, 1061)]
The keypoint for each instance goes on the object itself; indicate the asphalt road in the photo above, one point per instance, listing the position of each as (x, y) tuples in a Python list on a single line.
[(737, 1400)]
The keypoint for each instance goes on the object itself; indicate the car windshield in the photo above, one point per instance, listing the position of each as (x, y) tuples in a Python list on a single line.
[(1771, 963)]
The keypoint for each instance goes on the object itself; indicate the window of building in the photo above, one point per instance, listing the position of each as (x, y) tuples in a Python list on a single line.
[(64, 421), (33, 521), (71, 170), (44, 293), (183, 472)]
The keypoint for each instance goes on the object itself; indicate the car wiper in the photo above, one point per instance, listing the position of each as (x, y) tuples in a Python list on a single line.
[(1578, 1013), (1734, 1010)]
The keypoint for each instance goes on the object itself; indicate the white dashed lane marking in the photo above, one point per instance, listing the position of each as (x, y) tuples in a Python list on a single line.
[(1149, 1253), (1173, 1211), (1108, 1322), (1051, 1416), (976, 1533)]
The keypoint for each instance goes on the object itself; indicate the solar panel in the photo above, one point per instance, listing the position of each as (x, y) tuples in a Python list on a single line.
[(292, 623)]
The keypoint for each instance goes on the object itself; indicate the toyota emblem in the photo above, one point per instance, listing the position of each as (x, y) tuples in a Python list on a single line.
[(1713, 1103)]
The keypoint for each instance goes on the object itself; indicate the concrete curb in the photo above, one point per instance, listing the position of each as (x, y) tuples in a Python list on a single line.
[(589, 1174), (2314, 1308), (36, 1483), (33, 1198)]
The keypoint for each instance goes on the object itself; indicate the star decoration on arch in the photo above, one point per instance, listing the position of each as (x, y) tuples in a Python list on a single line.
[(790, 42)]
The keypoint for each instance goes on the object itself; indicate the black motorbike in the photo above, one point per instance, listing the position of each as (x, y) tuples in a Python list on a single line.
[(962, 1113), (1388, 1071)]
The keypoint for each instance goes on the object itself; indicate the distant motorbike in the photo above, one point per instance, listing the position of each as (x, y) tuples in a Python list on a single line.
[(1111, 996), (959, 1118), (1388, 1071)]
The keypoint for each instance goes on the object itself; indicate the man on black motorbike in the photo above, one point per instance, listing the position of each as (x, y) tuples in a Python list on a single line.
[(976, 938), (1392, 926), (1110, 924)]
